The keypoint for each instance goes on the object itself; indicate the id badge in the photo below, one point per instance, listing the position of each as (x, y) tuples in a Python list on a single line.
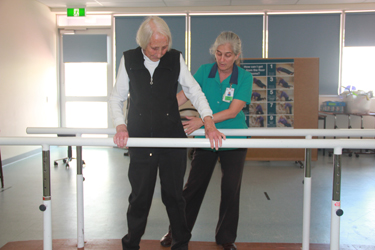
[(228, 95)]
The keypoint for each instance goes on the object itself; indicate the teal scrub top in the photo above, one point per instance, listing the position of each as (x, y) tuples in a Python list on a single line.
[(240, 80)]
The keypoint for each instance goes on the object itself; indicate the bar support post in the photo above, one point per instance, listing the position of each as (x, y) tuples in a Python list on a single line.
[(336, 211), (306, 200), (46, 207), (80, 208)]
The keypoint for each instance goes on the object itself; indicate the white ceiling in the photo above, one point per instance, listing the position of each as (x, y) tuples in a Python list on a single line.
[(189, 3)]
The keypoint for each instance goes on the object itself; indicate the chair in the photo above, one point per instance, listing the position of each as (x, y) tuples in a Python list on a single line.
[(65, 160), (191, 112), (69, 158)]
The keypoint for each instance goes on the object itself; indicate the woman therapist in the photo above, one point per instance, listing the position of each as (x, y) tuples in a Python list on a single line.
[(228, 89)]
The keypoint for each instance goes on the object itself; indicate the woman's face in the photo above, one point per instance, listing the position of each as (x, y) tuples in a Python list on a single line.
[(225, 57), (157, 47)]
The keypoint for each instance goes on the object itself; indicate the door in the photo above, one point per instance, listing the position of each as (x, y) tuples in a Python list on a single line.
[(85, 78)]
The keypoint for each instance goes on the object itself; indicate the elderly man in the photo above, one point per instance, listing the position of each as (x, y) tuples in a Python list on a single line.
[(150, 73)]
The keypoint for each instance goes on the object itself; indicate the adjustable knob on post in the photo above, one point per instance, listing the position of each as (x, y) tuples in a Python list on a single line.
[(42, 207), (339, 212)]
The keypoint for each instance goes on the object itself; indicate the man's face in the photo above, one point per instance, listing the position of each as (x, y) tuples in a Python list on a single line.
[(157, 47)]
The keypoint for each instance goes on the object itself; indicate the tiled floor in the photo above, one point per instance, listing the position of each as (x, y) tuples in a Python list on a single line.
[(274, 220)]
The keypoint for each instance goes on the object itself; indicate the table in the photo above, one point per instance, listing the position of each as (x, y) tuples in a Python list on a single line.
[(323, 115), (323, 118)]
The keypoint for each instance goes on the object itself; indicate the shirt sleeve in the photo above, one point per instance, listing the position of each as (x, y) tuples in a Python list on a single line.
[(193, 91), (119, 95), (243, 91)]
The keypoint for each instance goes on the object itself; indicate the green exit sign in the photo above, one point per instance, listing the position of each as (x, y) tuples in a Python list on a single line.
[(76, 12)]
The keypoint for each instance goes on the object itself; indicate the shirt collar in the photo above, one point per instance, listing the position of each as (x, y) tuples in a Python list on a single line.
[(233, 77)]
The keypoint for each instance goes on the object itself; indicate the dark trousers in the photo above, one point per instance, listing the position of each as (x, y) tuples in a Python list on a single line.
[(143, 167), (202, 166)]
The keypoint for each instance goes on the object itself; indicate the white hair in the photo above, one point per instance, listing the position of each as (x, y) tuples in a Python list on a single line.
[(149, 26), (228, 37)]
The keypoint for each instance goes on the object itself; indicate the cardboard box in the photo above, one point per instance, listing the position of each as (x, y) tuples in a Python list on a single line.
[(334, 107)]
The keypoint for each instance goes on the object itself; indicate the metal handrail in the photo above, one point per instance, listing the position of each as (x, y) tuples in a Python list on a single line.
[(228, 132), (193, 142)]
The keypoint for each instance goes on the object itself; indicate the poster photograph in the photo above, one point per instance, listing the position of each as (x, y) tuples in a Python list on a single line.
[(272, 99)]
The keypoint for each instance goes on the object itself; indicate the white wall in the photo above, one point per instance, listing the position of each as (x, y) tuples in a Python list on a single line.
[(28, 82)]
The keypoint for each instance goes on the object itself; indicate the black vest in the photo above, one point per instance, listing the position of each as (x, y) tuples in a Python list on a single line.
[(153, 108)]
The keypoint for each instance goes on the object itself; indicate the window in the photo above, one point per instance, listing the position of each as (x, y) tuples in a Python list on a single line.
[(357, 66), (86, 79), (92, 117), (308, 35)]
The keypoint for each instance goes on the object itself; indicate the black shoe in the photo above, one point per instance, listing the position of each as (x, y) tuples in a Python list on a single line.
[(229, 246), (166, 241)]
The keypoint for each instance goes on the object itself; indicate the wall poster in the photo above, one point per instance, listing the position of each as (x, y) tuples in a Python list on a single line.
[(272, 102)]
